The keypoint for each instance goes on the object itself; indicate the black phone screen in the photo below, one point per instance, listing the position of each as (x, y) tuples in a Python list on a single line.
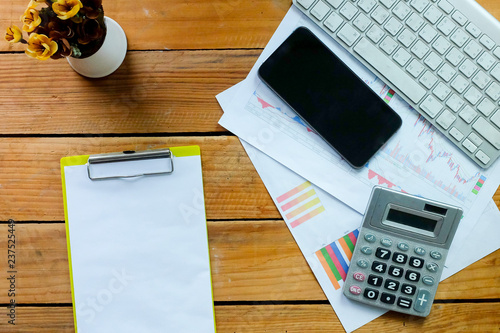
[(331, 98)]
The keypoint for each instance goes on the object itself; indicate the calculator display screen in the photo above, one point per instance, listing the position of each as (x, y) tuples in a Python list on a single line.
[(411, 220)]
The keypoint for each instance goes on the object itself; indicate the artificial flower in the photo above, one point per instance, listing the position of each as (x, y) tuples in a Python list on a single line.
[(66, 9), (14, 34), (31, 19), (41, 47)]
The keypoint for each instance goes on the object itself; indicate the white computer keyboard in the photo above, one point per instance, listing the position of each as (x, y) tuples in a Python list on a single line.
[(441, 56)]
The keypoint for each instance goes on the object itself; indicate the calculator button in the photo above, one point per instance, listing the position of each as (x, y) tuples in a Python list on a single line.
[(383, 253), (420, 250), (363, 263), (416, 262), (428, 280), (386, 242), (412, 276), (400, 258), (408, 289), (391, 285), (359, 276), (403, 246), (366, 250), (371, 294), (404, 302), (370, 238), (432, 267), (422, 301), (375, 280), (388, 298), (396, 271), (355, 290), (436, 255), (379, 267)]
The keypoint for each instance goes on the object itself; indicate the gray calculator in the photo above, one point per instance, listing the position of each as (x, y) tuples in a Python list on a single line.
[(401, 251)]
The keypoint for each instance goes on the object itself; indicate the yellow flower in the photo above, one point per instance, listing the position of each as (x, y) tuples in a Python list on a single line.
[(31, 19), (41, 47), (14, 34), (66, 9)]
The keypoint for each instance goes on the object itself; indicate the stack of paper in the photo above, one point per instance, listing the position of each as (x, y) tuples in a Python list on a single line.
[(321, 198)]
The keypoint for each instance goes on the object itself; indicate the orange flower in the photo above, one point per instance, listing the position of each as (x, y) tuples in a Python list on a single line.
[(14, 34), (31, 19), (66, 9), (41, 47)]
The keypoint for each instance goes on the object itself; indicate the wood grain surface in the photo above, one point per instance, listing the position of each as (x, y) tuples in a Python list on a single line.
[(181, 54)]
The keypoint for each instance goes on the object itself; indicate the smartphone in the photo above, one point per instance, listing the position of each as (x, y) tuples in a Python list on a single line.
[(329, 97)]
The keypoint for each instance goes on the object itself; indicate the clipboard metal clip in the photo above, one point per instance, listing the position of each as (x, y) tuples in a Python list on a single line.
[(130, 163)]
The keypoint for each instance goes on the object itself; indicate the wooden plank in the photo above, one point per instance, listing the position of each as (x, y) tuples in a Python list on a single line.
[(171, 24), (311, 318), (251, 261), (30, 184), (152, 92)]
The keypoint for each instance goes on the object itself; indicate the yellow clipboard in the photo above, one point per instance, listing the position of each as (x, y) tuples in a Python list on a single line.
[(137, 241)]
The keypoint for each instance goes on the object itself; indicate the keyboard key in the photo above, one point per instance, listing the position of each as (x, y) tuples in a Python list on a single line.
[(362, 22), (348, 34), (407, 38), (371, 294), (393, 74), (375, 280), (459, 84), (419, 5), (487, 42), (408, 289), (380, 15), (468, 68), (481, 79), (456, 134), (469, 145), (468, 114), (475, 139), (486, 61), (391, 285), (388, 3), (375, 34), (335, 3), (459, 18), (486, 107), (433, 61), (432, 14), (306, 3), (441, 45), (428, 33), (487, 131), (388, 45), (446, 26), (401, 10), (393, 26), (445, 119), (333, 22), (455, 102), (320, 10), (401, 57), (388, 298), (493, 91), (455, 56), (412, 276), (473, 95), (473, 30), (496, 52), (431, 106), (459, 37), (420, 49), (446, 6), (414, 22), (495, 72), (415, 68), (348, 10), (423, 300), (482, 156), (496, 118), (446, 72), (428, 79), (367, 5), (441, 91), (404, 302), (473, 49)]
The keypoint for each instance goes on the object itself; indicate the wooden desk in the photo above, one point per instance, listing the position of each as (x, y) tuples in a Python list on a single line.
[(181, 54)]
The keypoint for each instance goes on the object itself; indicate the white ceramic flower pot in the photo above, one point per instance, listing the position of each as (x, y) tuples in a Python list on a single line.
[(108, 58)]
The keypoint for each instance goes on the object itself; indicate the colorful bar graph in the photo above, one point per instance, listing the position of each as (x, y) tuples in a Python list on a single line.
[(300, 204), (335, 258), (479, 184)]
